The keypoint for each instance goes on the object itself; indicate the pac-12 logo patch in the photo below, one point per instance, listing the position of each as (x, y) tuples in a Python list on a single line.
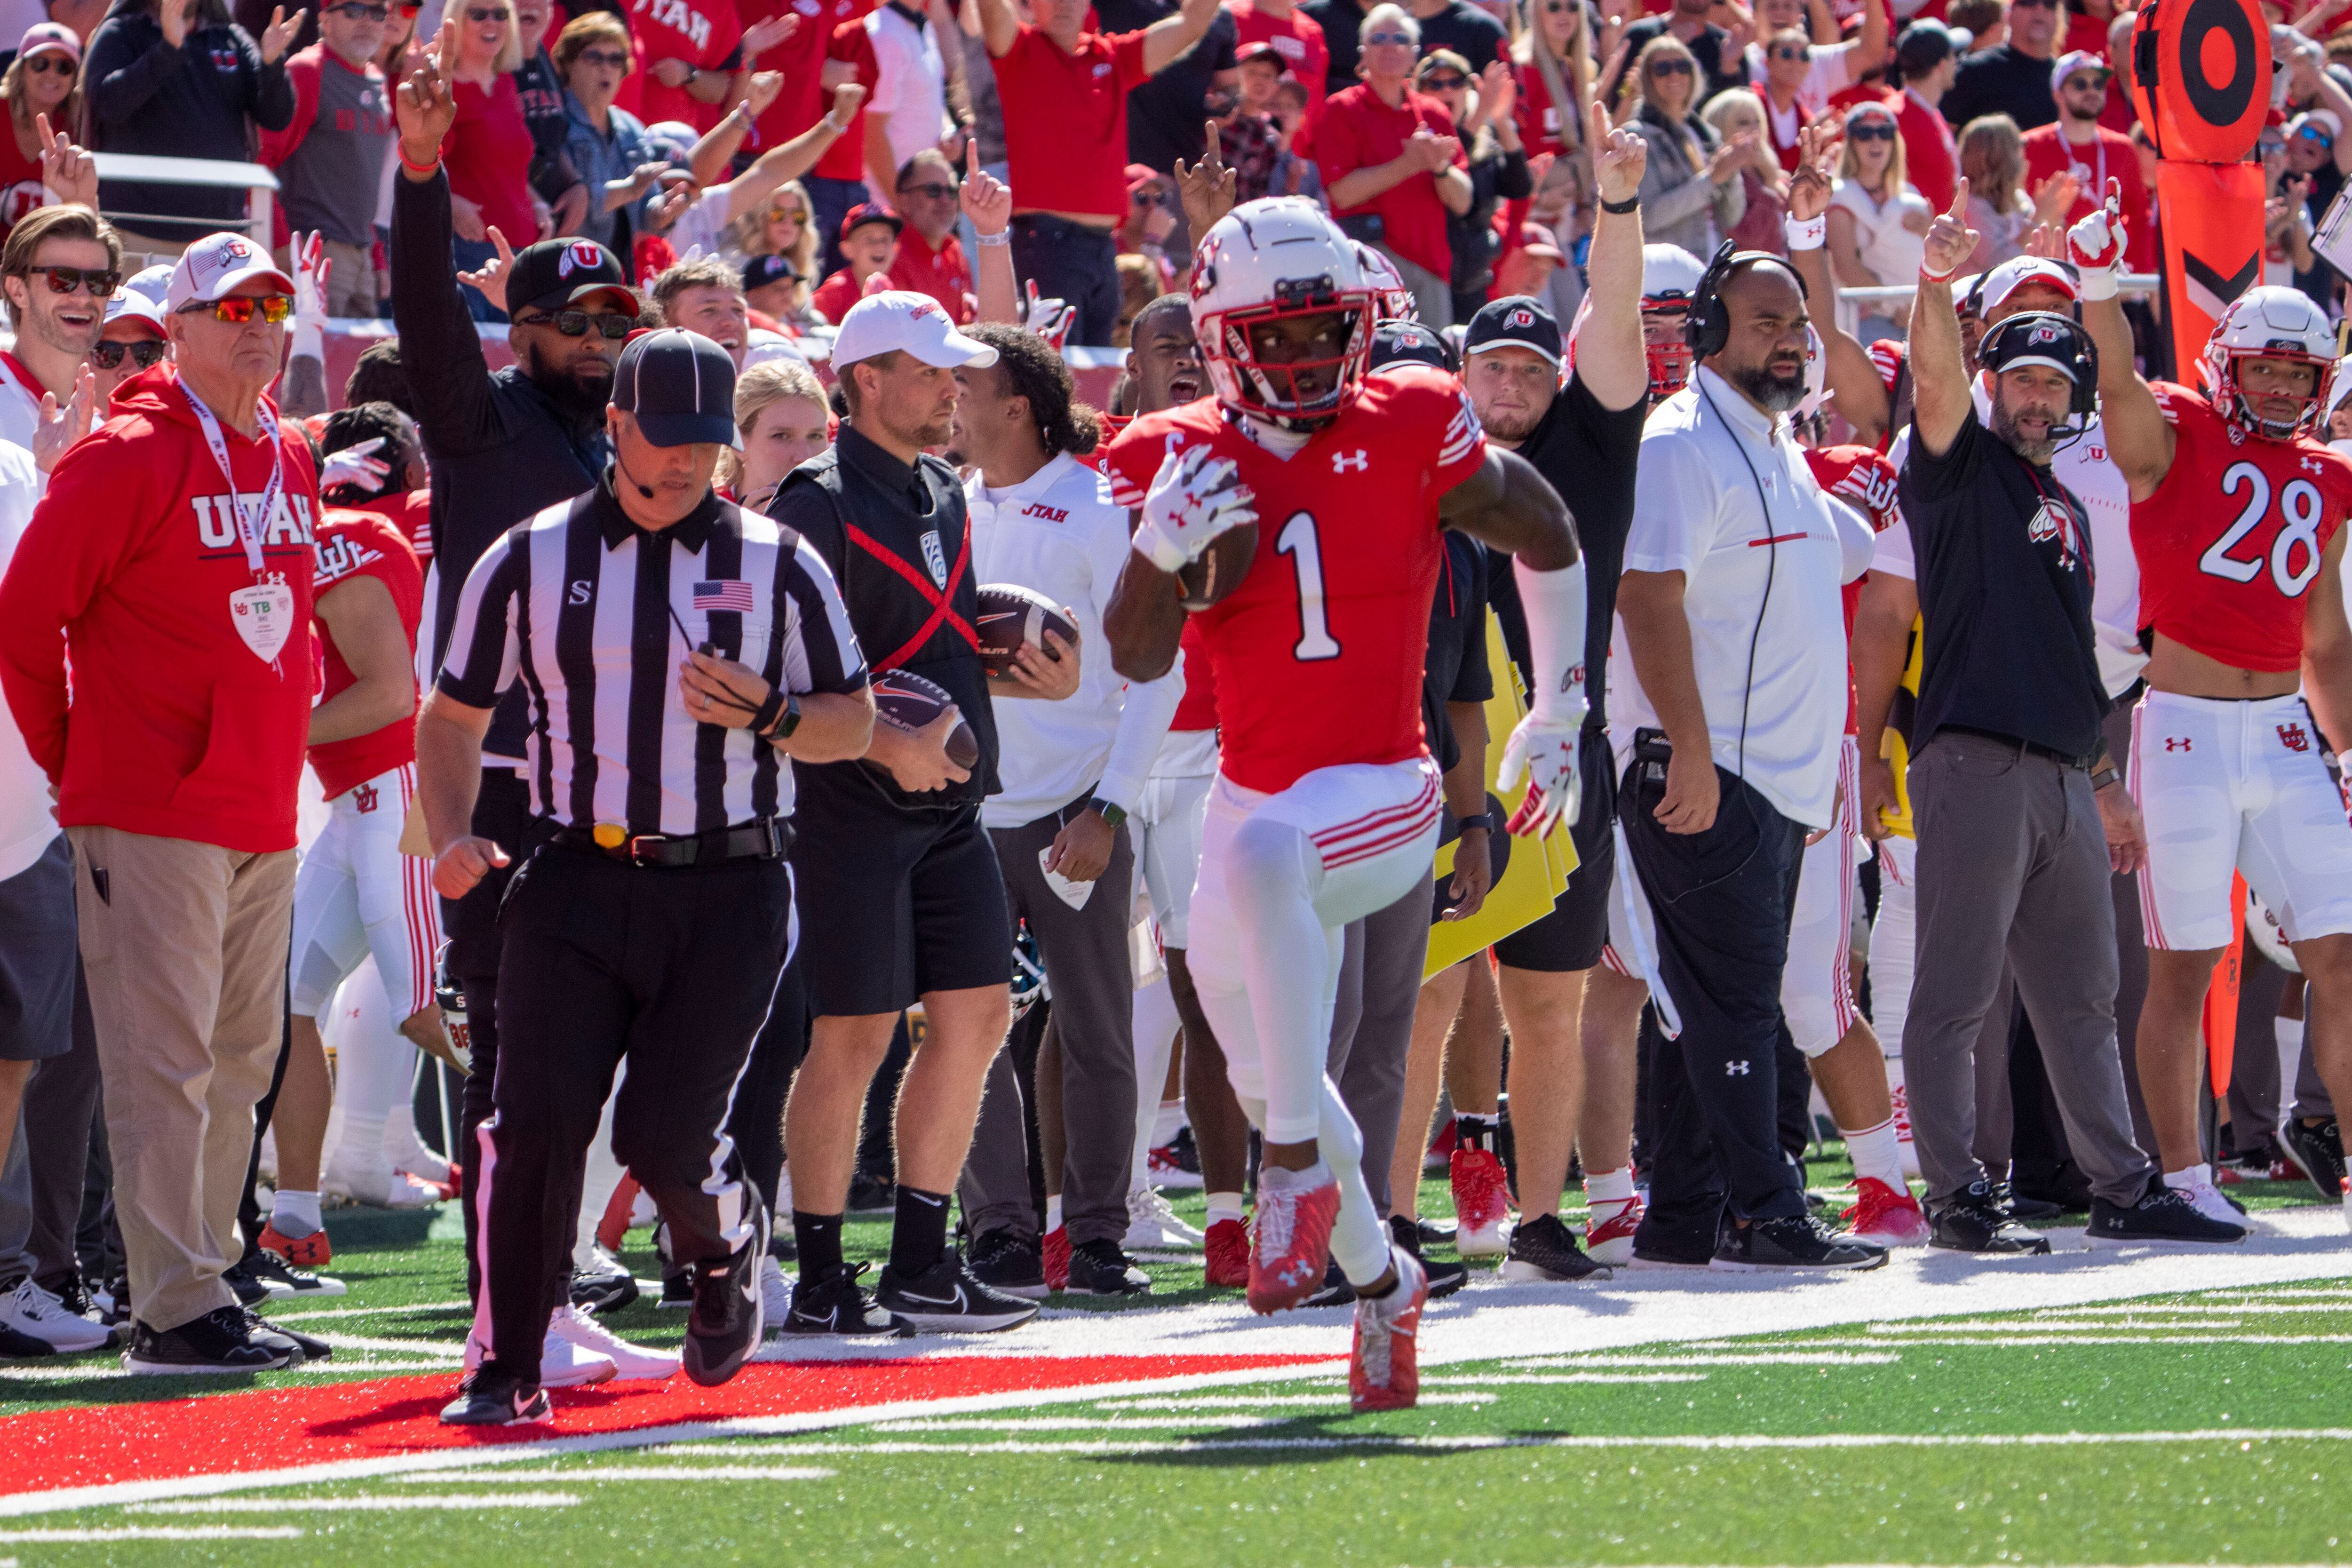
[(935, 557)]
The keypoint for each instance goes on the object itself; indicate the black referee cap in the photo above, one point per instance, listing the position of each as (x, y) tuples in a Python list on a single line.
[(680, 386)]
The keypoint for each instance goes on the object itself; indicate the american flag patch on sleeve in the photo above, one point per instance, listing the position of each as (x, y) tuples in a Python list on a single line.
[(724, 593)]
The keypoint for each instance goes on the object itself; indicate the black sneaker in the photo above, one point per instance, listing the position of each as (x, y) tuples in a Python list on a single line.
[(1335, 1290), (1101, 1267), (1444, 1279), (308, 1347), (2164, 1215), (871, 1194), (837, 1304), (239, 1277), (606, 1287), (1435, 1232), (1792, 1241), (946, 1299), (2068, 1186), (280, 1278), (1545, 1248), (2030, 1211), (1184, 1152), (677, 1290), (2318, 1153), (491, 1398), (724, 1327), (1659, 1245), (112, 1301), (1977, 1220), (220, 1341), (1014, 1264)]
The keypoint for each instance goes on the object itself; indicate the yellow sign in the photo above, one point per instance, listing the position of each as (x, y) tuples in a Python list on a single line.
[(1532, 872)]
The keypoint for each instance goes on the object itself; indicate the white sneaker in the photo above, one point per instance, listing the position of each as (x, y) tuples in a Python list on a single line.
[(583, 1332), (378, 1186), (2347, 1205), (33, 1311), (775, 1291), (561, 1364), (2197, 1185), (1152, 1226)]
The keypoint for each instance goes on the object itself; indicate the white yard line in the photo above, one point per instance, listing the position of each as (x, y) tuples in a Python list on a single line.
[(156, 1532), (1727, 1358), (1084, 1423), (1736, 1443), (396, 1502), (1995, 1338), (1483, 1379), (1314, 1401), (94, 1372), (633, 1473)]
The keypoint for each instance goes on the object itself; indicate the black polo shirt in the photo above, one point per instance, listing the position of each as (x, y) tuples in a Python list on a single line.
[(2001, 81), (1587, 452), (1457, 668), (2004, 559), (1468, 32), (899, 545), (1342, 22)]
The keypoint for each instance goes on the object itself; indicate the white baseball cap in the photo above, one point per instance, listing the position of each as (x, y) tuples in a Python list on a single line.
[(760, 345), (903, 321), (2018, 270), (216, 265), (155, 282), (132, 303)]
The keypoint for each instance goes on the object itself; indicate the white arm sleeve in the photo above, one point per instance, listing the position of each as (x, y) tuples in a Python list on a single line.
[(1555, 604)]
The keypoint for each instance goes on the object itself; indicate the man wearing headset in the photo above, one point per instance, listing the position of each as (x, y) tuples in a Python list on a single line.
[(2010, 769), (1737, 704)]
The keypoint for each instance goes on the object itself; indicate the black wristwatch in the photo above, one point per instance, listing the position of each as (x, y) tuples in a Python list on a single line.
[(1485, 819), (787, 719), (1113, 814), (2104, 777)]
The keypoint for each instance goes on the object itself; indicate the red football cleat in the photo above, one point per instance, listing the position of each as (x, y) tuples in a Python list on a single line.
[(1292, 1245), (309, 1251), (1608, 1234), (1482, 1203), (1057, 1254), (1227, 1254), (1384, 1368), (1884, 1218)]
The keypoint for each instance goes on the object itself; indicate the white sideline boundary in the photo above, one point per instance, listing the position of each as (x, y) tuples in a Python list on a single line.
[(1489, 1321)]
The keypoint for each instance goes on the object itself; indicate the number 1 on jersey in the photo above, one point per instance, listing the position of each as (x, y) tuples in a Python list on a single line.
[(1297, 540)]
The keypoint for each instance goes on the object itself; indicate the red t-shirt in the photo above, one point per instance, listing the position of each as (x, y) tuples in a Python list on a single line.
[(702, 33), (943, 274), (20, 184), (353, 544), (2230, 544), (1931, 157), (834, 296), (801, 58), (2048, 153), (1297, 39), (1066, 119), (1360, 131), (846, 159), (488, 151), (1317, 655)]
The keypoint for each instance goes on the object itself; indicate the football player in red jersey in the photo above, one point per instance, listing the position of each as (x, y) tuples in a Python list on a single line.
[(2237, 520), (1325, 805)]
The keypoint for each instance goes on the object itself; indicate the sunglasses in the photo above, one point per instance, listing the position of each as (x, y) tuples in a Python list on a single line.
[(932, 188), (2034, 4), (486, 14), (797, 215), (2316, 133), (1449, 81), (1561, 8), (239, 310), (610, 326), (611, 58), (101, 281), (1790, 52), (143, 353), (356, 11), (1402, 40), (48, 63), (1871, 131), (1672, 68)]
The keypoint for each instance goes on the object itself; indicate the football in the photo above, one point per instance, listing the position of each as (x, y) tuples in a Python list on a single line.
[(1218, 570), (1011, 618), (907, 701)]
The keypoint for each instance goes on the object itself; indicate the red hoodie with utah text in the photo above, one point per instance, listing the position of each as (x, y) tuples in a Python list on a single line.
[(174, 727)]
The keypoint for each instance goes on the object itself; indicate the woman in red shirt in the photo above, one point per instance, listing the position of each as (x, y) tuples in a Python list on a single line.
[(44, 78), (488, 148)]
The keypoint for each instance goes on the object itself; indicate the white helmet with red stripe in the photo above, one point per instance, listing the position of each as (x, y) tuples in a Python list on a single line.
[(2270, 322), (1395, 301), (1271, 260), (1670, 280)]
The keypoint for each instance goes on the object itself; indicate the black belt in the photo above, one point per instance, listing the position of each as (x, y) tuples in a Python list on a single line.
[(764, 839), (2051, 753)]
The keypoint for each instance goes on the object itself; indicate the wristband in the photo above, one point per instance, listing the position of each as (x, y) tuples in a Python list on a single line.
[(1631, 204), (426, 170), (1927, 276), (1807, 234), (1002, 236), (764, 717), (2105, 777), (2098, 282)]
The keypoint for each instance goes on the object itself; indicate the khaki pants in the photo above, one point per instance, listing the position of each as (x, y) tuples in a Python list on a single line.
[(185, 947)]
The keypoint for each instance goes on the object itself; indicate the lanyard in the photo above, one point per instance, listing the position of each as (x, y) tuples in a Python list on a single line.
[(249, 524)]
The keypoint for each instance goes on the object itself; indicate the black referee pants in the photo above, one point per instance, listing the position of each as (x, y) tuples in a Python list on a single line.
[(1722, 899), (672, 970), (501, 814)]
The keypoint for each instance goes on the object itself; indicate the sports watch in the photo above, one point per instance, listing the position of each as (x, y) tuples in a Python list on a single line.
[(1113, 814)]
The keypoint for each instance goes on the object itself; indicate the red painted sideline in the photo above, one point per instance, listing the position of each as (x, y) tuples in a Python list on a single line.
[(269, 1429)]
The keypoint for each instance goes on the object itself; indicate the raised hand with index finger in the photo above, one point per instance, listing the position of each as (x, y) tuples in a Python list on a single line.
[(1950, 241)]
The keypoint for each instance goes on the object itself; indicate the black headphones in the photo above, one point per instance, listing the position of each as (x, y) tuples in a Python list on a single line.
[(2041, 335), (1707, 327)]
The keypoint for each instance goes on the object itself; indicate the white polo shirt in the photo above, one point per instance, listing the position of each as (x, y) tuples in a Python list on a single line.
[(1059, 534), (1762, 560), (2085, 469), (909, 84), (28, 820)]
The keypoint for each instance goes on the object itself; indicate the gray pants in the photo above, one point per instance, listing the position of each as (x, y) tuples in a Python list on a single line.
[(1372, 1026), (2013, 863), (1093, 980)]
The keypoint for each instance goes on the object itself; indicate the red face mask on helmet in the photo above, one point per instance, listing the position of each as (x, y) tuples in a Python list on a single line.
[(1273, 260), (2270, 322), (1671, 360)]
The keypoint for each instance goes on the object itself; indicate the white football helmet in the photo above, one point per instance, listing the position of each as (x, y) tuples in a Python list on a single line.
[(1270, 260), (1387, 284), (2269, 322), (1670, 280)]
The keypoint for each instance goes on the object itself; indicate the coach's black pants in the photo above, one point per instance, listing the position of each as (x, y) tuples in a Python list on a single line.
[(1722, 900), (501, 813), (598, 962)]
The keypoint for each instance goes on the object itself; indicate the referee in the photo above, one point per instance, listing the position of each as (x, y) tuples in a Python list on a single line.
[(674, 651)]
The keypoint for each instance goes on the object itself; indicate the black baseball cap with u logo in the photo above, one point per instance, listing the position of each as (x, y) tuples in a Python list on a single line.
[(1514, 322), (558, 274)]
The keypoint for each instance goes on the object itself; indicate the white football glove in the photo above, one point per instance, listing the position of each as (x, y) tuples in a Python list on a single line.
[(1050, 318), (2096, 244), (1194, 498), (1545, 749), (355, 465), (312, 268)]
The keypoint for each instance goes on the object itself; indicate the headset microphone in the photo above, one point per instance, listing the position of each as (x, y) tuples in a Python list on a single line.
[(644, 489)]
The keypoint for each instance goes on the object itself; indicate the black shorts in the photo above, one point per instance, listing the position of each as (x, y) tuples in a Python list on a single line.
[(39, 957), (895, 903), (1571, 938)]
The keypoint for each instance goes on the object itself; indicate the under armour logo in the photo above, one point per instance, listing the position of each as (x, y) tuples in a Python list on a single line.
[(2178, 743), (1735, 1069), (2292, 738), (363, 797), (2314, 466), (581, 592), (1358, 459)]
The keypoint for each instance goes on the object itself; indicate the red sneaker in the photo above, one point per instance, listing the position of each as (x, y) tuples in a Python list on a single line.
[(1384, 1367), (1056, 1250), (1883, 1216), (1227, 1253), (1293, 1245), (1482, 1203), (1609, 1230), (309, 1251)]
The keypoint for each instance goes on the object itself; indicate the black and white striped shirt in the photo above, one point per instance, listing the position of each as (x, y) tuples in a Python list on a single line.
[(593, 616)]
